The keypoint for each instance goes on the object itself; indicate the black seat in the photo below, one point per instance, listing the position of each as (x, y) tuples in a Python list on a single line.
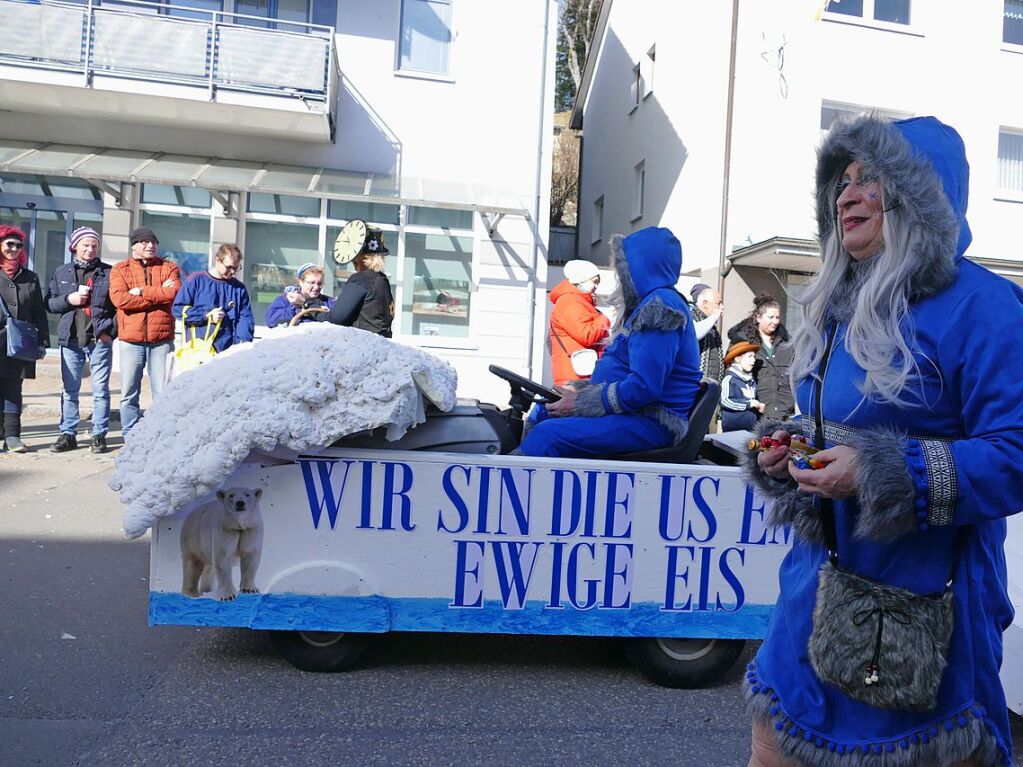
[(699, 424)]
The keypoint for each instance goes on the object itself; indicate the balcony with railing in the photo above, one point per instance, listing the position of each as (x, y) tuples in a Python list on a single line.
[(226, 71)]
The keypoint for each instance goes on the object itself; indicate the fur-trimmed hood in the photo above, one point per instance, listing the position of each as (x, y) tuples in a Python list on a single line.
[(648, 264), (922, 165)]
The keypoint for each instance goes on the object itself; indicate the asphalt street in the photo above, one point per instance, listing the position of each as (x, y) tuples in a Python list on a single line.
[(85, 681)]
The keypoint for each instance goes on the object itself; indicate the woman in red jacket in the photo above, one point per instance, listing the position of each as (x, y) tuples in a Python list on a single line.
[(576, 325)]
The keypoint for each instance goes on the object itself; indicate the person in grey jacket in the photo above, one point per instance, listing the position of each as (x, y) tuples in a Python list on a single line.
[(80, 293)]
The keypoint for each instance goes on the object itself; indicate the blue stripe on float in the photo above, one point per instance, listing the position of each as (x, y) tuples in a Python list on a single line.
[(377, 614)]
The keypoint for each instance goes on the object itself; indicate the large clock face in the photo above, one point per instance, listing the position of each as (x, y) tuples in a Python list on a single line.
[(349, 241)]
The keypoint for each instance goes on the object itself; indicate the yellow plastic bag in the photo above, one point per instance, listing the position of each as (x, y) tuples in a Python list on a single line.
[(195, 351)]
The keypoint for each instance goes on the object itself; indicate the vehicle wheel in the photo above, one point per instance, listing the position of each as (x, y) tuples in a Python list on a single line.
[(323, 651), (683, 663)]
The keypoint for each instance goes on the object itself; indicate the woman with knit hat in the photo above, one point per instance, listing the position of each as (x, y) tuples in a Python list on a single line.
[(305, 294), (79, 294), (577, 329), (23, 300)]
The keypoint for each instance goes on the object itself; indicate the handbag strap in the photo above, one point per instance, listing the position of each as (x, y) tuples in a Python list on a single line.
[(557, 337), (827, 506)]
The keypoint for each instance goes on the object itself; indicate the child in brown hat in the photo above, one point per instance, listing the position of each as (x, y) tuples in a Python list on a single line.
[(740, 407)]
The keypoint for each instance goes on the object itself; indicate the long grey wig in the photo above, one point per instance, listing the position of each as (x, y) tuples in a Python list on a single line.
[(918, 260)]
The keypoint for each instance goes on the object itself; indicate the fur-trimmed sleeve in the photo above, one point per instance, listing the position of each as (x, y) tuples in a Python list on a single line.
[(884, 486)]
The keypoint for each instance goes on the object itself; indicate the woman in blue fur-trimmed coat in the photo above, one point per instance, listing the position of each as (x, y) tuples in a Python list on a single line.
[(923, 423), (644, 385)]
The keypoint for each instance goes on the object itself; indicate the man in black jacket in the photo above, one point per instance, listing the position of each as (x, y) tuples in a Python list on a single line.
[(79, 293)]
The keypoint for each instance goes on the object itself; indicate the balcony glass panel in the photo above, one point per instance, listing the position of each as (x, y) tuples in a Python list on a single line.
[(298, 61), (172, 46), (44, 33)]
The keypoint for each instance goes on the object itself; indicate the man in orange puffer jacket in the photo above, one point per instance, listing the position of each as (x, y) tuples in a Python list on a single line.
[(143, 287), (575, 322)]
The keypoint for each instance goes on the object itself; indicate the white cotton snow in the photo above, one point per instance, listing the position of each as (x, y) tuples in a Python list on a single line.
[(298, 389)]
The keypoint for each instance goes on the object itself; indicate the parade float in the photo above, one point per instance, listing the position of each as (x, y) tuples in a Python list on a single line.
[(327, 486)]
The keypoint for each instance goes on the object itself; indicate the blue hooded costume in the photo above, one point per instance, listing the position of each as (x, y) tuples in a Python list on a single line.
[(935, 477), (645, 384)]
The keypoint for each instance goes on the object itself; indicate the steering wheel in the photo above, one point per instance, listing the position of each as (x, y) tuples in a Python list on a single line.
[(517, 382), (306, 313)]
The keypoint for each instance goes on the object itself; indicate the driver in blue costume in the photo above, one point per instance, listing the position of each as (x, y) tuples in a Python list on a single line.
[(645, 384)]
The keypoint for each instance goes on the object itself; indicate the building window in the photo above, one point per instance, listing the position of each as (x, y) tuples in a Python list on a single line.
[(636, 89), (425, 36), (1012, 23), (181, 218), (889, 11), (831, 111), (648, 74), (437, 285), (638, 190), (597, 227), (297, 11), (1010, 162)]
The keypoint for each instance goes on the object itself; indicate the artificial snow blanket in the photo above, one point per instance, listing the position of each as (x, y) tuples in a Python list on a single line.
[(298, 389)]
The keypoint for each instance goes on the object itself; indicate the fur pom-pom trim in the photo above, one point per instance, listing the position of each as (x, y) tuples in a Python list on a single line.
[(589, 400), (947, 740), (884, 485), (657, 315)]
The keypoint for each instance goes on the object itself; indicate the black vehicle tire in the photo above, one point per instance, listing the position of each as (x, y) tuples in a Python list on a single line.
[(321, 651), (683, 663)]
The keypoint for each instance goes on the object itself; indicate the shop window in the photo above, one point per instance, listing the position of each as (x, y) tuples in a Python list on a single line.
[(274, 251), (184, 238), (1010, 162), (425, 36), (184, 196), (284, 204), (437, 285), (373, 212), (1012, 22)]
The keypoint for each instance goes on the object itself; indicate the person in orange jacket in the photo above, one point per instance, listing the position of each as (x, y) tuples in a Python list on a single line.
[(576, 325), (143, 287)]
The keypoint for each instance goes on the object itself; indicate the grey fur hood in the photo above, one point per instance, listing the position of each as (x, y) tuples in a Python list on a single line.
[(922, 166)]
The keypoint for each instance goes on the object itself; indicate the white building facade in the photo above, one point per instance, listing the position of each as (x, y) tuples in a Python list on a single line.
[(271, 123), (717, 141)]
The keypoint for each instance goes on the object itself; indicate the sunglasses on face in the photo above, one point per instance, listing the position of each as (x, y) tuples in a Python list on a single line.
[(230, 267), (14, 244)]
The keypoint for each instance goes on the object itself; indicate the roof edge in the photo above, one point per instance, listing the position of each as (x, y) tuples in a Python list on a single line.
[(583, 92)]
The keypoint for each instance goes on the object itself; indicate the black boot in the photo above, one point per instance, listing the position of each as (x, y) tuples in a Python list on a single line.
[(12, 433)]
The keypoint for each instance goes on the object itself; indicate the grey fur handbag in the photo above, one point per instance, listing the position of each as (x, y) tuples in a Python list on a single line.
[(879, 644)]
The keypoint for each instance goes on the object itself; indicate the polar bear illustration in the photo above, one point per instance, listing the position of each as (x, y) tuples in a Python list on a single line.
[(216, 536)]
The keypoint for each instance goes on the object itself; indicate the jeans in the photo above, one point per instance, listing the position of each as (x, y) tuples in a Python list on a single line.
[(10, 395), (135, 358), (72, 361), (579, 437)]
